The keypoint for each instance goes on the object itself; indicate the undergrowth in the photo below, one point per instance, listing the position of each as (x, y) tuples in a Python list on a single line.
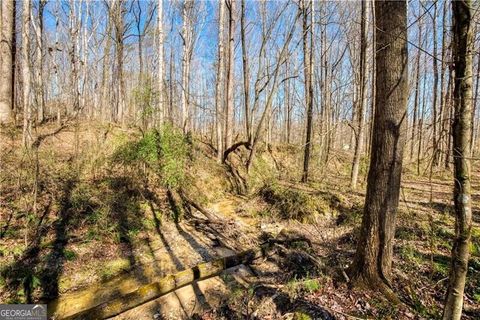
[(292, 203)]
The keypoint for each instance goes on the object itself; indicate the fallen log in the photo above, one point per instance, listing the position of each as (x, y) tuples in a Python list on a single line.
[(165, 285), (160, 287)]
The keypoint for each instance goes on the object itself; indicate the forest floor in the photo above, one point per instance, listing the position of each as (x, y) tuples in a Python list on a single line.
[(81, 224)]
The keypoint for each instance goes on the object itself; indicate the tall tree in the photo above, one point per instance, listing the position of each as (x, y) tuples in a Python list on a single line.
[(435, 114), (361, 96), (187, 38), (26, 80), (118, 12), (373, 260), (161, 63), (7, 52), (246, 74), (230, 74), (219, 85), (462, 126), (308, 54), (105, 103), (417, 90)]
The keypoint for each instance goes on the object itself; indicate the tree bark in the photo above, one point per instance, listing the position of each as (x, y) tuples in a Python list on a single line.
[(417, 91), (26, 80), (373, 260), (161, 99), (186, 57), (246, 74), (40, 52), (7, 52), (119, 26), (308, 70), (105, 103), (230, 74), (219, 85), (435, 122), (361, 99), (461, 127)]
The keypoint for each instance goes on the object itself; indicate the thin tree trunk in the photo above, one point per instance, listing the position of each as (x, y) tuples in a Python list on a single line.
[(161, 98), (435, 92), (105, 103), (462, 55), (219, 101), (421, 120), (119, 45), (417, 91), (27, 112), (230, 74), (442, 113), (473, 136), (361, 100), (246, 75), (308, 52), (7, 62), (187, 44)]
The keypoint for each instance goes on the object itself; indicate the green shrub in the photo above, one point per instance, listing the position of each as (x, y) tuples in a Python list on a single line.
[(165, 152)]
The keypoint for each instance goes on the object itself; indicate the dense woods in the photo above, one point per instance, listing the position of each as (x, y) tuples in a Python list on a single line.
[(338, 140)]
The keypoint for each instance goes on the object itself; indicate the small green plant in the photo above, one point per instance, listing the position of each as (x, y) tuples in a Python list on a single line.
[(165, 152), (311, 285), (69, 254), (297, 287), (299, 315)]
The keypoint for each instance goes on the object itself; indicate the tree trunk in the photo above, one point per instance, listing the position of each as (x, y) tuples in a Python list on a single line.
[(373, 260), (308, 70), (161, 99), (219, 101), (119, 24), (7, 68), (473, 136), (361, 99), (443, 128), (246, 74), (40, 96), (105, 103), (417, 91), (27, 112), (187, 44), (422, 117), (230, 74), (462, 55), (435, 93)]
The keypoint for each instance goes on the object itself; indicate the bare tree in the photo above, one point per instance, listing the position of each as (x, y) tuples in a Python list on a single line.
[(7, 52), (105, 100), (361, 96), (187, 38), (118, 12), (219, 84), (308, 55), (372, 264), (230, 74), (26, 80), (463, 56), (161, 63), (246, 75)]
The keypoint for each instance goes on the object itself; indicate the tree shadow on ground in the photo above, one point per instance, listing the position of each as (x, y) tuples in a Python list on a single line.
[(31, 270)]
